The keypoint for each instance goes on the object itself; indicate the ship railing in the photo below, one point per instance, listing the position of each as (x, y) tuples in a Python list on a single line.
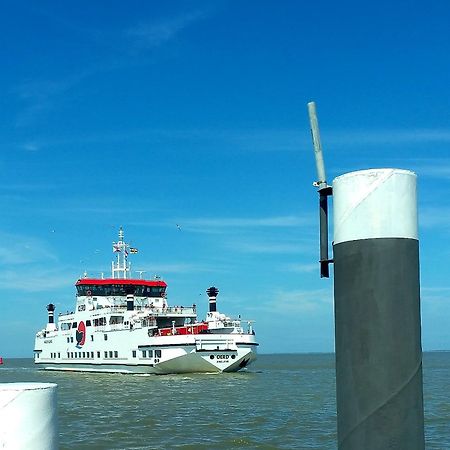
[(232, 323), (147, 322), (47, 333), (172, 310), (204, 345), (175, 310)]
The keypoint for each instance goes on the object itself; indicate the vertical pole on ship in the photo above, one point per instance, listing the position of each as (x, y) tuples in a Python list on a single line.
[(379, 391)]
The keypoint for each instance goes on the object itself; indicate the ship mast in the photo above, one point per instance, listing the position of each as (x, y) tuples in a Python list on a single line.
[(121, 268)]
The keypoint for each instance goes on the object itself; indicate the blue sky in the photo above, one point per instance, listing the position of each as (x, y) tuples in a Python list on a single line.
[(153, 114)]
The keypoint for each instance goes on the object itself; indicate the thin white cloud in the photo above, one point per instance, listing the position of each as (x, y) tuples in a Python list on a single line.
[(34, 280), (153, 34), (266, 247), (247, 222), (31, 147), (297, 302), (17, 249), (435, 294), (243, 140), (39, 96), (303, 268), (386, 136), (434, 217), (437, 169), (160, 269)]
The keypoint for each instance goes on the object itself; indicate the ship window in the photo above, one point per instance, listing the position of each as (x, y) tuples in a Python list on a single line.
[(74, 325), (84, 355), (65, 326), (157, 353), (68, 339), (98, 354), (144, 353), (92, 354), (105, 336), (88, 323), (110, 354), (115, 320), (150, 353), (106, 354), (116, 354), (134, 353), (100, 322), (71, 339), (92, 337), (59, 355)]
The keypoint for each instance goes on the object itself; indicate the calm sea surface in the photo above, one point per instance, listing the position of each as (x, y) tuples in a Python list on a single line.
[(282, 401)]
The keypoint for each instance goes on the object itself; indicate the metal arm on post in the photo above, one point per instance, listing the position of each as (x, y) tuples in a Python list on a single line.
[(324, 191)]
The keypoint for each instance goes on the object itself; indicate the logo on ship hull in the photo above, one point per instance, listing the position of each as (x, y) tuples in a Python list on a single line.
[(80, 334)]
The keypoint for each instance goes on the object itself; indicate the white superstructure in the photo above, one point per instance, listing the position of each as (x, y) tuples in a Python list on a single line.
[(124, 324)]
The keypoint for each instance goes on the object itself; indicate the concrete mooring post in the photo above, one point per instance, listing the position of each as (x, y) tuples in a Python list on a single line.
[(377, 311), (379, 391), (28, 416)]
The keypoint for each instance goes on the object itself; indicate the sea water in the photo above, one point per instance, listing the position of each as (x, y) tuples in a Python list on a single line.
[(280, 402)]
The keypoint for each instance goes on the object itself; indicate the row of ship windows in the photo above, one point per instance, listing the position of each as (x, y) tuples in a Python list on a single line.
[(148, 353), (120, 290), (106, 354), (100, 322), (70, 339)]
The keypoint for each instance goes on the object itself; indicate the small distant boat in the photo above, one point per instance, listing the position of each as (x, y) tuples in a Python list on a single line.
[(1, 360), (124, 324)]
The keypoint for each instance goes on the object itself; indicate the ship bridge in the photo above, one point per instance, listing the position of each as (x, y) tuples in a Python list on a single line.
[(117, 287)]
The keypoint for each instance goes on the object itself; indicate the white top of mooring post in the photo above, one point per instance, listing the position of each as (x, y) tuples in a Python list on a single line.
[(28, 416), (375, 203), (26, 386)]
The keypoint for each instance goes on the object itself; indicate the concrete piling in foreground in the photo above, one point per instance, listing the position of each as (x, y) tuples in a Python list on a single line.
[(377, 311), (28, 416)]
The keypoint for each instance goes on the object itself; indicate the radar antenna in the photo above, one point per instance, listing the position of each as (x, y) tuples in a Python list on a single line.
[(121, 268)]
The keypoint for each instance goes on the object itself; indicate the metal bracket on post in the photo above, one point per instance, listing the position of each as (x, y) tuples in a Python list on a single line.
[(323, 211), (324, 191)]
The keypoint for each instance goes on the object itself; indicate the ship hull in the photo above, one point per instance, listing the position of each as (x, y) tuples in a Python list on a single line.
[(183, 362), (125, 351)]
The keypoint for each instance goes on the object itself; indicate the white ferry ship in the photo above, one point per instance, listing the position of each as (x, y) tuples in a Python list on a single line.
[(123, 324)]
